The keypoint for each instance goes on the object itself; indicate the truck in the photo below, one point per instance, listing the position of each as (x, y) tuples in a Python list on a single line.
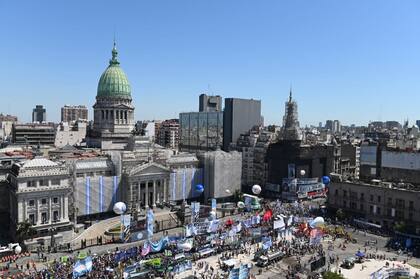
[(269, 258)]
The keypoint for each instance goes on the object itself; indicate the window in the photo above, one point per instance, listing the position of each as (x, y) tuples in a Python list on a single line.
[(55, 182), (362, 196), (371, 208), (389, 201), (410, 216), (43, 182), (31, 184), (44, 218), (44, 201), (344, 193), (336, 192), (362, 208), (378, 211), (379, 198), (55, 200), (344, 203), (31, 203), (80, 175), (371, 198), (411, 205), (55, 216), (32, 219)]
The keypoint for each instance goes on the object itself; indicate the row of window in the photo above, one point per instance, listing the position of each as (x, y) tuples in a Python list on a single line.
[(98, 173), (43, 201), (44, 217), (399, 203), (43, 182), (398, 214)]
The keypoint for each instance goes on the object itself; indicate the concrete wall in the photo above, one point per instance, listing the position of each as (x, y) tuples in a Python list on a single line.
[(401, 160)]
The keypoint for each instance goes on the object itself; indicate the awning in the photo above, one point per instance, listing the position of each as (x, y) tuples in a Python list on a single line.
[(367, 223)]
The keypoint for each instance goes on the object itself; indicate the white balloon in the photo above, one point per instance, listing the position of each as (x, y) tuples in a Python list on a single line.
[(241, 204), (18, 249), (228, 191), (318, 222), (256, 189), (302, 172), (119, 208), (212, 213)]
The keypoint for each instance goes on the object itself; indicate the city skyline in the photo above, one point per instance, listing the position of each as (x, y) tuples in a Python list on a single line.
[(348, 62)]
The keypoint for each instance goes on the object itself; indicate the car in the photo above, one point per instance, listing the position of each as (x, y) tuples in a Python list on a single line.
[(348, 263)]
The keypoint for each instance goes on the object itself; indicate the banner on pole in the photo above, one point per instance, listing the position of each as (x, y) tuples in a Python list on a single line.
[(150, 223)]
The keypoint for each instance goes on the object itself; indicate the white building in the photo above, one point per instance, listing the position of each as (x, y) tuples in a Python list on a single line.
[(70, 134), (39, 194)]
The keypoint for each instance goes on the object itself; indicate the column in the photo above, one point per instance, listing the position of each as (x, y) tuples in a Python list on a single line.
[(164, 190), (62, 209), (38, 219), (146, 195), (50, 210), (154, 192)]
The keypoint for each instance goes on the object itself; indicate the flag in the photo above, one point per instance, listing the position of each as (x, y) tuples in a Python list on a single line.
[(82, 267), (146, 249), (150, 223)]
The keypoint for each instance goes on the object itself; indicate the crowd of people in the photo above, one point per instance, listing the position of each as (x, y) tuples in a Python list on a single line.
[(294, 246)]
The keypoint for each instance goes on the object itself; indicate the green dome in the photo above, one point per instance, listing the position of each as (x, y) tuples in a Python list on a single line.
[(113, 82)]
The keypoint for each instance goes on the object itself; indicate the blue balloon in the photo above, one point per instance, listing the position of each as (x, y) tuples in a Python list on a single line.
[(199, 188), (326, 180)]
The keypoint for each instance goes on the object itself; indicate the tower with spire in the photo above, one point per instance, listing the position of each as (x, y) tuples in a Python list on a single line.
[(290, 130)]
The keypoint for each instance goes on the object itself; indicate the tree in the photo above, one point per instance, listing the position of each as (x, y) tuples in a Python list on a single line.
[(238, 195), (24, 231), (332, 275), (340, 214)]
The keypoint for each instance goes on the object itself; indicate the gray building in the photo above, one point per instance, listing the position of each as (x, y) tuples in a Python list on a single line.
[(210, 103), (40, 194), (33, 134), (240, 116), (39, 114), (200, 131), (222, 171), (380, 203)]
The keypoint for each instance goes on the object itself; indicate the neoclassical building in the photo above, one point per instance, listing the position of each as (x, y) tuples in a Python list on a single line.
[(113, 111), (40, 194)]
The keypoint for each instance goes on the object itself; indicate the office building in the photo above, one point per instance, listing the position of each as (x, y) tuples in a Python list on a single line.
[(168, 134), (74, 113), (240, 116), (200, 131), (210, 103), (33, 134), (39, 114)]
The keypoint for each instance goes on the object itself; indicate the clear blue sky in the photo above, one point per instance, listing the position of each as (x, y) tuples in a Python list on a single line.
[(350, 60)]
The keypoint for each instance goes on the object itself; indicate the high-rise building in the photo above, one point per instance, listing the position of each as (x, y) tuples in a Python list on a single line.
[(240, 116), (39, 114), (168, 134), (210, 103), (200, 131), (418, 123), (113, 119), (73, 113)]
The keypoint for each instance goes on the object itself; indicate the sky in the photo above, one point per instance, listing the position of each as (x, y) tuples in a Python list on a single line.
[(356, 61)]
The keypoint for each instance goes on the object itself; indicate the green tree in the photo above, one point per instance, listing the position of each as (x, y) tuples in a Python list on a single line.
[(24, 231), (400, 227), (340, 214), (332, 275)]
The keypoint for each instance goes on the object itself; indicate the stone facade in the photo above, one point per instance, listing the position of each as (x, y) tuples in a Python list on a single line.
[(40, 194), (381, 203)]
